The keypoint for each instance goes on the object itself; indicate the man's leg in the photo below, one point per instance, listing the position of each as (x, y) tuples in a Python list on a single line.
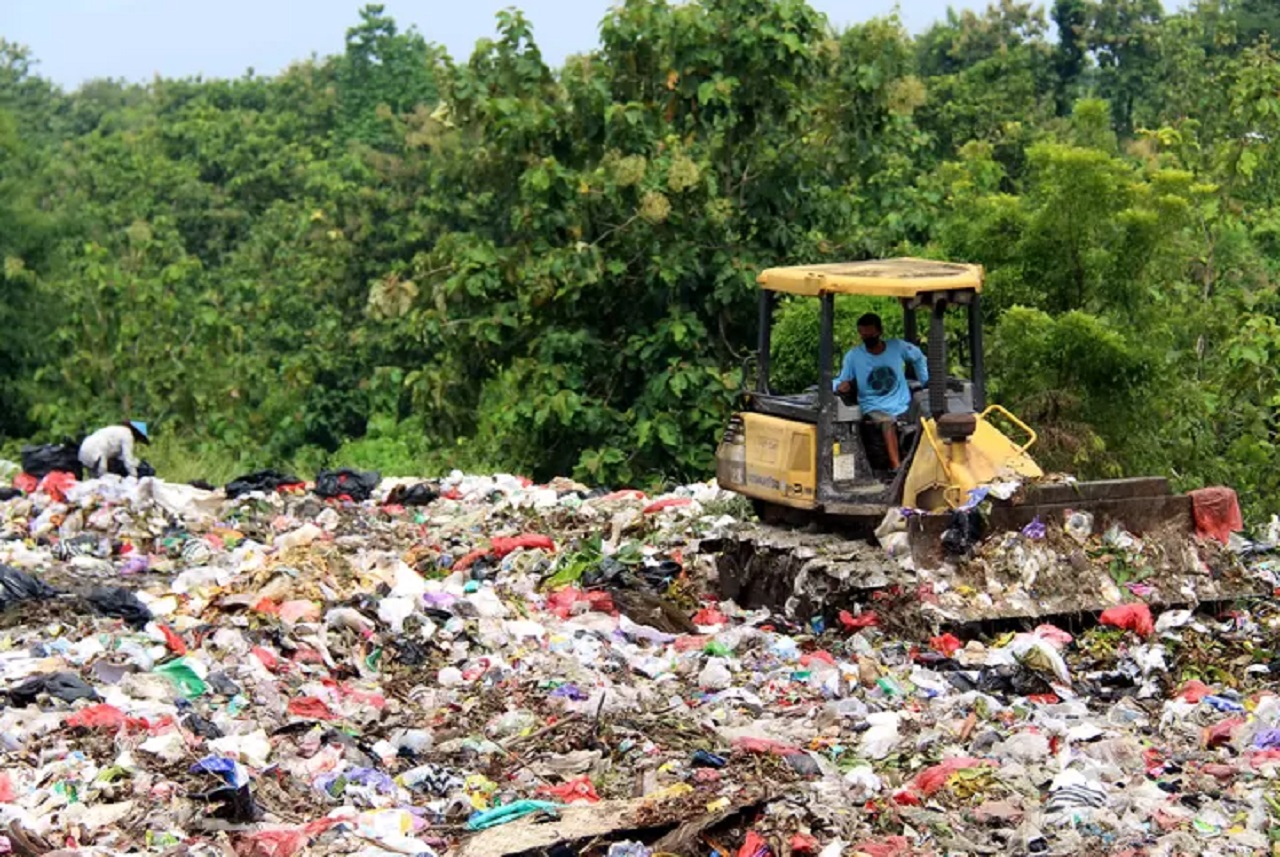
[(886, 423)]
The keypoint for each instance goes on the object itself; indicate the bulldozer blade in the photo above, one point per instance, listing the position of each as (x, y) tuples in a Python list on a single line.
[(1138, 505)]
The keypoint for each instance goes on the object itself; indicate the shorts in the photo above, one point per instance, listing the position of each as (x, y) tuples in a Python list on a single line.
[(880, 417)]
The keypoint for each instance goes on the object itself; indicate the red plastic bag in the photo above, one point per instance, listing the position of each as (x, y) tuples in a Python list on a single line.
[(171, 639), (691, 642), (1264, 757), (626, 494), (818, 655), (1134, 617), (267, 658), (106, 717), (55, 484), (1055, 635), (576, 790), (26, 483), (709, 616), (310, 707), (561, 601), (1221, 733), (667, 503), (890, 846), (281, 843), (862, 620), (1193, 691), (764, 745), (1217, 513), (7, 794), (466, 561), (803, 843), (502, 547), (933, 779), (947, 644), (753, 846)]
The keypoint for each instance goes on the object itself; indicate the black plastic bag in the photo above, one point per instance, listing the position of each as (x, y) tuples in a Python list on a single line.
[(221, 685), (355, 484), (236, 805), (411, 653), (964, 532), (7, 493), (116, 466), (66, 686), (262, 480), (195, 723), (120, 603), (16, 586), (422, 494), (1012, 679), (40, 461)]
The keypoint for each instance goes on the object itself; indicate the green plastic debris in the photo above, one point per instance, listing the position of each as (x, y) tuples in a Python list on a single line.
[(1206, 828), (111, 774), (718, 649), (183, 677), (512, 811), (161, 840)]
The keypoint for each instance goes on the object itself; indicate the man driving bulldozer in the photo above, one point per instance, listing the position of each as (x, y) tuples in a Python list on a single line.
[(876, 370)]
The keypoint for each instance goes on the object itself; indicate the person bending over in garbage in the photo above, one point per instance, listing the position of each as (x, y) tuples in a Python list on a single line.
[(876, 369), (113, 443)]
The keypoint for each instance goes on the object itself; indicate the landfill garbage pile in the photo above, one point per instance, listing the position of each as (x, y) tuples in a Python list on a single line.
[(485, 667)]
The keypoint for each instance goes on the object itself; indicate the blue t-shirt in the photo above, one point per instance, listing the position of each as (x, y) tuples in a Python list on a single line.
[(881, 378)]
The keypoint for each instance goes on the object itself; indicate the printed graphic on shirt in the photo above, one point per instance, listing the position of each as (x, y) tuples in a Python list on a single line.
[(882, 380)]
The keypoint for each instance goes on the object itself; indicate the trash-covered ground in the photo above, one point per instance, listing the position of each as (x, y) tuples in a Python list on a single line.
[(507, 668)]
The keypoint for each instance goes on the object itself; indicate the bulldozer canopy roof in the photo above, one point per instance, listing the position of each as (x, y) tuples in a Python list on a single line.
[(882, 278)]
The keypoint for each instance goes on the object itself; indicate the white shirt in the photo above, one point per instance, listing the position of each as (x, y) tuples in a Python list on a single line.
[(99, 448)]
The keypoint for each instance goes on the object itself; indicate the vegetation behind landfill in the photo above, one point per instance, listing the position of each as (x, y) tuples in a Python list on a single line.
[(397, 259)]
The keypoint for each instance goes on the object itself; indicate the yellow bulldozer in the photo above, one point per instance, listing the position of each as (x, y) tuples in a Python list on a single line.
[(812, 457)]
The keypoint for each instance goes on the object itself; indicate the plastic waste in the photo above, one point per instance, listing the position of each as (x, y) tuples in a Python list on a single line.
[(1131, 617), (512, 811), (185, 679), (119, 603), (355, 485), (882, 735), (715, 675), (264, 481), (17, 586), (420, 494), (40, 461), (341, 661), (1079, 525), (66, 686)]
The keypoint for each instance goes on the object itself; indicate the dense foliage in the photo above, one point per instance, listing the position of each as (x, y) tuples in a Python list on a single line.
[(394, 258)]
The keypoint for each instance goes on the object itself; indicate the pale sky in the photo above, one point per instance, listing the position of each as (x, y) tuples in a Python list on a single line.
[(78, 40)]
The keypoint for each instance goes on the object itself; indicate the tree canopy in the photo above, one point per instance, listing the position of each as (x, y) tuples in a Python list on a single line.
[(396, 258)]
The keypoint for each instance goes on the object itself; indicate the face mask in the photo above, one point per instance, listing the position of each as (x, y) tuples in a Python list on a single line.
[(871, 341)]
